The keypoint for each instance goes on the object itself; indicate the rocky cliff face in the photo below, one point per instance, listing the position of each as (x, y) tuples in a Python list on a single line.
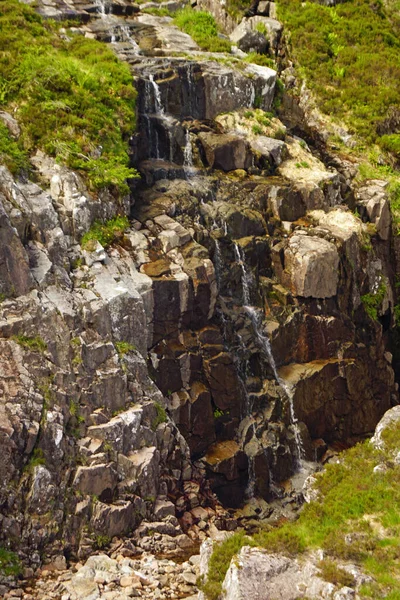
[(237, 327)]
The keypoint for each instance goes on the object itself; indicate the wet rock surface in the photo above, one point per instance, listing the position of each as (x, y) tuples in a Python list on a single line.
[(221, 340)]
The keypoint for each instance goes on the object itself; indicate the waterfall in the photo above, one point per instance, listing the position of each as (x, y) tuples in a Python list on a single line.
[(246, 277), (218, 262), (158, 109), (266, 347), (126, 32), (102, 5), (187, 151)]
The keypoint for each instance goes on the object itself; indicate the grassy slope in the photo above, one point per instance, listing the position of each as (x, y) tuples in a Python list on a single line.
[(353, 499), (71, 96), (201, 26)]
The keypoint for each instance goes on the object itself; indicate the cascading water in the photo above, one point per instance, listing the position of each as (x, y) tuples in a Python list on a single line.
[(158, 109), (187, 151), (126, 36), (246, 277), (266, 347)]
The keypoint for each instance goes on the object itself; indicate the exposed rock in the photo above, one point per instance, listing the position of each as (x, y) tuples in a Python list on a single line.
[(308, 267), (226, 152)]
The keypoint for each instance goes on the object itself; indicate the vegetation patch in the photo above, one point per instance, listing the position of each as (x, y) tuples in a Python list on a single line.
[(106, 233), (123, 348), (201, 26), (373, 301), (161, 416), (71, 96), (9, 563), (355, 518), (36, 344), (344, 52)]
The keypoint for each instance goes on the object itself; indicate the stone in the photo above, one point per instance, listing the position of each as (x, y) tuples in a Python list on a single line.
[(249, 40), (96, 480), (273, 149), (389, 418), (256, 574), (113, 519), (272, 27), (372, 200), (10, 123), (225, 151), (309, 267)]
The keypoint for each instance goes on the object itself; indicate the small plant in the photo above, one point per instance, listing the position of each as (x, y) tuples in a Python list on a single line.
[(334, 574), (302, 165), (257, 130), (123, 348), (161, 416), (101, 541), (218, 413), (105, 233), (9, 563), (373, 301), (36, 344), (36, 459), (248, 114)]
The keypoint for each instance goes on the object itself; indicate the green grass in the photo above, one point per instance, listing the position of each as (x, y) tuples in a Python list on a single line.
[(372, 302), (9, 563), (36, 344), (73, 99), (123, 348), (353, 500), (161, 416), (105, 233), (345, 52), (201, 26)]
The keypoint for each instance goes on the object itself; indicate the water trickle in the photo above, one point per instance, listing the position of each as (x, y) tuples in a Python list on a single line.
[(158, 109), (218, 262), (102, 7), (246, 277), (127, 37), (265, 345), (187, 151)]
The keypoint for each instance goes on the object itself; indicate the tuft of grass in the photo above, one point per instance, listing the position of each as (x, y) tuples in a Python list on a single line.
[(373, 301), (219, 563), (161, 416), (123, 348), (71, 96), (36, 344), (202, 27), (36, 459), (105, 233), (329, 571), (9, 563)]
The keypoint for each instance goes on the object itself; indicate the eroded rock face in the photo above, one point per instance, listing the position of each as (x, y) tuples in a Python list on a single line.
[(160, 370), (309, 267)]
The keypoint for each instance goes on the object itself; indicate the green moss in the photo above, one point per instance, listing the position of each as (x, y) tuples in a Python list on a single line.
[(36, 344), (373, 301), (36, 459), (124, 347), (9, 563), (105, 233), (161, 416), (10, 152), (201, 26), (73, 98)]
